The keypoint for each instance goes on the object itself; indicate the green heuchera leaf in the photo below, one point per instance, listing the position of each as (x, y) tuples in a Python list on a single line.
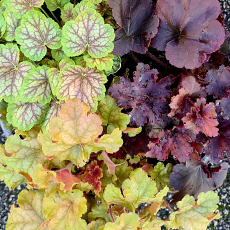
[(95, 225), (20, 7), (11, 179), (127, 221), (29, 215), (25, 115), (12, 74), (93, 1), (58, 54), (54, 111), (53, 79), (83, 5), (78, 36), (52, 5), (67, 12), (36, 86), (105, 63), (161, 174), (195, 216), (12, 22), (26, 153), (35, 33), (65, 63), (111, 114), (2, 25), (116, 66), (136, 190), (64, 212), (85, 84)]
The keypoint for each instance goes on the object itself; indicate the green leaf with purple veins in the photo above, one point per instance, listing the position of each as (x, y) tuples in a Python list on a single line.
[(116, 66), (36, 86), (2, 25), (105, 63), (12, 22), (25, 115), (54, 111), (67, 12), (20, 7), (12, 74), (52, 5), (80, 7), (83, 83), (35, 33), (88, 32), (58, 54), (66, 62), (53, 79)]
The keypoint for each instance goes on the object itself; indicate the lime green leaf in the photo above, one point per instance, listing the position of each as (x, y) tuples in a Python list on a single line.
[(12, 22), (67, 12), (65, 63), (29, 215), (24, 115), (201, 211), (12, 74), (36, 86), (35, 33), (58, 54), (116, 66), (133, 160), (85, 84), (83, 5), (111, 114), (93, 1), (2, 25), (65, 211), (53, 79), (54, 111), (78, 36), (101, 211), (20, 7), (161, 174), (161, 194), (95, 225), (136, 190), (11, 179), (52, 5), (26, 153), (105, 63), (127, 221)]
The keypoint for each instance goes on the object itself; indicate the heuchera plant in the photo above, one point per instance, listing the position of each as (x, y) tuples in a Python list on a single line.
[(114, 103)]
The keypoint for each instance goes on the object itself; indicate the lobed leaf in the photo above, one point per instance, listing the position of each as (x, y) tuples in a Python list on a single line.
[(116, 66), (2, 25), (36, 86), (67, 12), (88, 32), (35, 33), (83, 83), (58, 54), (52, 5), (83, 5), (12, 74), (24, 115)]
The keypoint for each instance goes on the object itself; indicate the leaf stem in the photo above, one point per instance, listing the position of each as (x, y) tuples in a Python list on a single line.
[(55, 18), (75, 2), (111, 213), (43, 11), (157, 60), (69, 165), (168, 205), (134, 57)]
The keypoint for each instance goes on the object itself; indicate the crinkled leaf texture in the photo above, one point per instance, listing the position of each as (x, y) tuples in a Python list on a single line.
[(74, 135), (193, 180), (83, 83), (137, 24), (188, 31), (202, 118), (88, 32), (136, 190), (219, 82), (178, 141), (146, 95), (12, 73), (35, 33)]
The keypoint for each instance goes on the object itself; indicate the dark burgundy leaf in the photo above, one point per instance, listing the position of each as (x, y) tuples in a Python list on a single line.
[(224, 107), (137, 22), (145, 96), (219, 82), (188, 31), (194, 180), (178, 141), (217, 145), (202, 118)]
